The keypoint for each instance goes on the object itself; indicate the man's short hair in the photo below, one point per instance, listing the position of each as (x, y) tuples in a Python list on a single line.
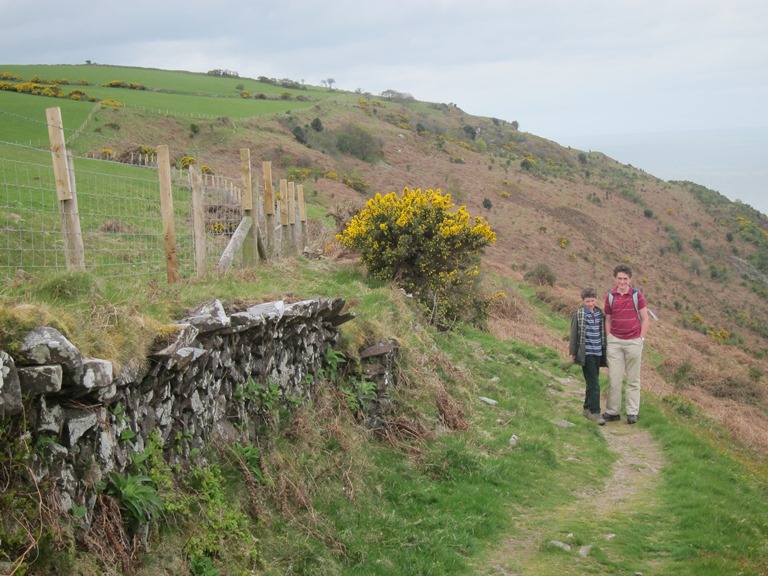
[(588, 293), (622, 268)]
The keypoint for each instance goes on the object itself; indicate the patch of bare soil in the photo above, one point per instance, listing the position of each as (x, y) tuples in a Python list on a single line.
[(629, 490)]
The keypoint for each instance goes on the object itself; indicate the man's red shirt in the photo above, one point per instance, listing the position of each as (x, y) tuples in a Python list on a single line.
[(625, 322)]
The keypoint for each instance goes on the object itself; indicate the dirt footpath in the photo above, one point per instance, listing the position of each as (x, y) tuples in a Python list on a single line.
[(630, 489)]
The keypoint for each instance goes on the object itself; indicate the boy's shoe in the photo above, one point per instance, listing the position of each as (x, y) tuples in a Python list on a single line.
[(631, 418), (612, 417), (596, 417)]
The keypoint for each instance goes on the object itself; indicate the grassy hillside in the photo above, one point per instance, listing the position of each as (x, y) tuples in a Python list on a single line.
[(701, 260), (437, 502)]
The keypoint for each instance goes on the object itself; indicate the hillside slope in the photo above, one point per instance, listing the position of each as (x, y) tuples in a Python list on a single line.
[(700, 259)]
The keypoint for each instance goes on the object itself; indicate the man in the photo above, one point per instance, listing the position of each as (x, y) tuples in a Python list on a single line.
[(626, 322)]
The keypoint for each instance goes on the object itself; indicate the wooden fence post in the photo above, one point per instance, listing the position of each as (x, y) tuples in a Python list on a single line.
[(166, 207), (285, 239), (303, 238), (260, 247), (269, 206), (63, 170), (235, 243), (250, 246), (292, 216), (198, 220)]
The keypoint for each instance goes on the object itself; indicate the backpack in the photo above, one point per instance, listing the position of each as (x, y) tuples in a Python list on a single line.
[(634, 300)]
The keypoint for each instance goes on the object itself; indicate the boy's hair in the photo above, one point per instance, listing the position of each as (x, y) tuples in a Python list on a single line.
[(588, 293), (622, 268)]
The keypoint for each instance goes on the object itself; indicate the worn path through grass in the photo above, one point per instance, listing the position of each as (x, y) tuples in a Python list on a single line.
[(590, 534)]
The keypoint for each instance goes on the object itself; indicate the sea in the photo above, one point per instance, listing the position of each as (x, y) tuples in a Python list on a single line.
[(734, 162)]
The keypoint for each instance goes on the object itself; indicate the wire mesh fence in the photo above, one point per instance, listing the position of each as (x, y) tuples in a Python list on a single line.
[(119, 213), (119, 216), (117, 219)]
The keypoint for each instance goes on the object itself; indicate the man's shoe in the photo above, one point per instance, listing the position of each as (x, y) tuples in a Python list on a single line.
[(631, 418), (586, 413), (611, 417)]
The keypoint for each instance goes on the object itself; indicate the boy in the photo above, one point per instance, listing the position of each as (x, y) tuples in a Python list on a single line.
[(588, 348)]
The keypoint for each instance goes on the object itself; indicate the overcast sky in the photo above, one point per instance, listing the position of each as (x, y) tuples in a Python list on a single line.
[(577, 72)]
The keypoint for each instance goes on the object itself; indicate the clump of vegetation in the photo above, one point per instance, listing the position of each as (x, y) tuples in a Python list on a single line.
[(541, 275), (356, 141), (417, 241)]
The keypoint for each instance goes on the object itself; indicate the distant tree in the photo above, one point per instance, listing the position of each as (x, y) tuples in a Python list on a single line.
[(582, 158), (515, 125), (471, 132), (396, 96), (317, 125), (329, 82), (487, 204), (526, 164)]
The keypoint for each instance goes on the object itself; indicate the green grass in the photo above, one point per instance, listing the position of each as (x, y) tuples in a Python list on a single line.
[(717, 509), (204, 96), (24, 118), (152, 79)]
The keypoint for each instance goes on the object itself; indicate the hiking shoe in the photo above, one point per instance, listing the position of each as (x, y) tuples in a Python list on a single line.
[(597, 418), (631, 418), (612, 417), (586, 413)]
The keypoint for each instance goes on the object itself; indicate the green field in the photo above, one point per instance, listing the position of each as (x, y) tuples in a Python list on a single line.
[(204, 96)]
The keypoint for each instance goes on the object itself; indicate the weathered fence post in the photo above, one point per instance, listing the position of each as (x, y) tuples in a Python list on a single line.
[(285, 228), (303, 237), (235, 243), (292, 216), (250, 208), (63, 170), (198, 220), (166, 207), (260, 248), (269, 206)]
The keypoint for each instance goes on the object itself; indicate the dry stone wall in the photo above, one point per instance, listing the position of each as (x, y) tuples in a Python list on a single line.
[(86, 422)]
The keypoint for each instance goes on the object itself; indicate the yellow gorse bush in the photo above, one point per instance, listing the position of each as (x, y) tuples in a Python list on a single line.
[(418, 240)]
